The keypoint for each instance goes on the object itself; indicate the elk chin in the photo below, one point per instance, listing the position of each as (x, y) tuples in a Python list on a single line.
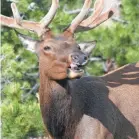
[(74, 71), (72, 74)]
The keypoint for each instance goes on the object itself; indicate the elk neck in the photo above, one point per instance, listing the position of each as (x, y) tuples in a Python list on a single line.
[(56, 107), (50, 88)]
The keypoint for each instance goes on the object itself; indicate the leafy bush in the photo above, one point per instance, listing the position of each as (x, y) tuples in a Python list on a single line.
[(20, 110), (21, 120)]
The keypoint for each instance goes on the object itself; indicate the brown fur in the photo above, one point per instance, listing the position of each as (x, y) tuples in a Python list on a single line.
[(89, 108), (68, 105), (58, 114), (121, 121)]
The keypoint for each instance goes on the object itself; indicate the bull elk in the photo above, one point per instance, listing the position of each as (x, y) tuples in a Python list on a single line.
[(75, 106)]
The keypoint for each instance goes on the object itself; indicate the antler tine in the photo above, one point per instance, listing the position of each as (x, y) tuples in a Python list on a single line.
[(102, 18), (98, 7), (80, 16), (16, 13), (50, 15), (97, 17), (38, 27), (28, 25)]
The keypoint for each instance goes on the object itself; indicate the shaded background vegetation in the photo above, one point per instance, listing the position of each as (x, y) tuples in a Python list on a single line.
[(20, 109)]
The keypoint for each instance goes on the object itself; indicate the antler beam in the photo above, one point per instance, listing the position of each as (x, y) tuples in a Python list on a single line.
[(94, 20), (98, 7), (80, 16), (50, 15), (38, 27)]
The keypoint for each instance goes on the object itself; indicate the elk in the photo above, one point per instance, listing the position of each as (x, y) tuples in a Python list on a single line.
[(74, 106)]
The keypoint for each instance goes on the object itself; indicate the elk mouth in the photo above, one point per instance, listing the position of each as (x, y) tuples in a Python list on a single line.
[(75, 70), (76, 67)]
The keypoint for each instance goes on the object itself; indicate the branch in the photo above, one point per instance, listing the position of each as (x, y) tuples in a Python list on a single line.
[(93, 59), (117, 19), (107, 64), (32, 75), (76, 11), (33, 90)]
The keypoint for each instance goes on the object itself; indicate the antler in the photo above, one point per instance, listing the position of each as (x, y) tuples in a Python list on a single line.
[(80, 16), (38, 27), (94, 20)]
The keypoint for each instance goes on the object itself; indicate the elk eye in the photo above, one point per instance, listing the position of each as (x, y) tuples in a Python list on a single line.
[(47, 48), (79, 48)]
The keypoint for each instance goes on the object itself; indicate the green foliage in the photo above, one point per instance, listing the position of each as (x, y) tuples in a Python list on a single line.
[(21, 120), (21, 115)]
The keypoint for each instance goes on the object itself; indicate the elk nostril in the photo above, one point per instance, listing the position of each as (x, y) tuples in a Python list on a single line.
[(85, 58)]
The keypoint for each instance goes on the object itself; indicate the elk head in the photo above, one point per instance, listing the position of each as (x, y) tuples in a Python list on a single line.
[(60, 56)]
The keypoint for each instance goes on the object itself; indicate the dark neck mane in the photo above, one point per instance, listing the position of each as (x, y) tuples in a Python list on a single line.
[(56, 107)]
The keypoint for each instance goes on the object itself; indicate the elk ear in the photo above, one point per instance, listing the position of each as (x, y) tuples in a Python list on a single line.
[(28, 42), (87, 47)]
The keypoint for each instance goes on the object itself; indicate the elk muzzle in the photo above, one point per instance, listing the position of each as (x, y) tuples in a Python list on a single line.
[(77, 61)]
